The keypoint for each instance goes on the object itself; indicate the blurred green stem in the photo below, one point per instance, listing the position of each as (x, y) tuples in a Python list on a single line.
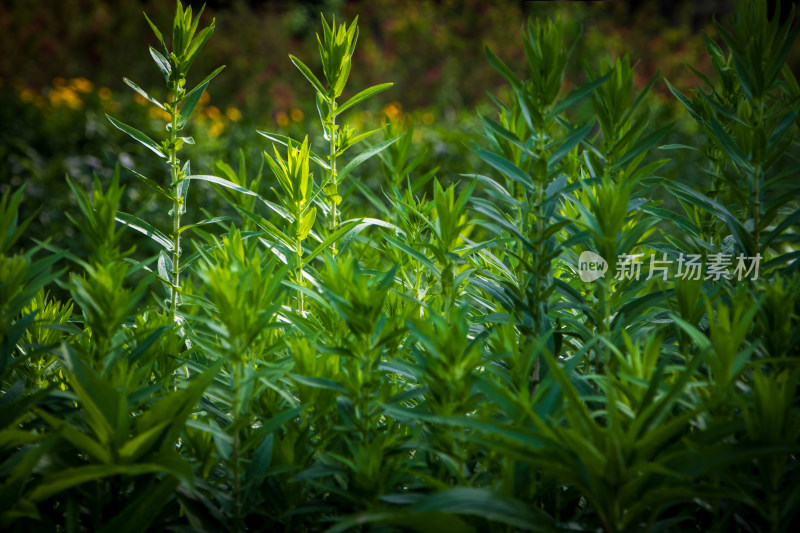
[(334, 179), (177, 202)]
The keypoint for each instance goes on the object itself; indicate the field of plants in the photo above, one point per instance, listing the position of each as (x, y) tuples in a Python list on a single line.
[(579, 313)]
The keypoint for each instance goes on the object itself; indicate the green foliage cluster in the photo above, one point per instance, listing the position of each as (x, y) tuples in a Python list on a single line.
[(441, 366)]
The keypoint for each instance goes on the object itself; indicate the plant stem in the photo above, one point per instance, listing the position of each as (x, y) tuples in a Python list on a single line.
[(237, 503), (334, 179), (299, 276), (757, 205), (176, 212)]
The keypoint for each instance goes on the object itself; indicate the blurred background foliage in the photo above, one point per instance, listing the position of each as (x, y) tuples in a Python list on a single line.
[(63, 64)]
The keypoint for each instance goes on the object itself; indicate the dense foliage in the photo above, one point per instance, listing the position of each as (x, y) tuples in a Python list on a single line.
[(542, 344)]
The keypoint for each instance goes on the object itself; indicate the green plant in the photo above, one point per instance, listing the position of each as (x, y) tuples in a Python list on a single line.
[(444, 367), (174, 66)]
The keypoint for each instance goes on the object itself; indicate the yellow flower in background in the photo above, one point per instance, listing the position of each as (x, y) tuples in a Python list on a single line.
[(59, 82), (216, 129), (139, 99), (393, 110), (82, 85), (282, 119), (64, 96), (104, 93), (297, 115), (427, 118), (233, 114), (213, 112), (205, 98)]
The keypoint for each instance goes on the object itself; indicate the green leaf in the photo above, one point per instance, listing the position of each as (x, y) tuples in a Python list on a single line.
[(189, 103), (507, 168), (141, 226), (642, 146), (143, 93), (150, 183), (203, 84), (221, 181), (427, 263), (62, 480), (284, 141), (195, 46), (363, 95), (343, 228), (319, 383), (162, 63), (502, 68), (363, 156), (568, 143), (137, 135), (361, 224), (141, 511), (156, 32), (683, 99), (214, 220), (578, 93), (729, 145), (83, 442), (308, 74)]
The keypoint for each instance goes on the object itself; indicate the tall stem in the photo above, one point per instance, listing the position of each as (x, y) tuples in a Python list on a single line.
[(176, 212), (299, 276), (757, 170), (236, 481), (757, 205), (334, 179)]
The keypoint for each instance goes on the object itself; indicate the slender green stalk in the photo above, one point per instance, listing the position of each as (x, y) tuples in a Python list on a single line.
[(334, 179), (237, 487), (177, 202), (299, 276)]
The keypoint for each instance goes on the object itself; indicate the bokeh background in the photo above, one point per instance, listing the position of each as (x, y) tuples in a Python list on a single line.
[(62, 65)]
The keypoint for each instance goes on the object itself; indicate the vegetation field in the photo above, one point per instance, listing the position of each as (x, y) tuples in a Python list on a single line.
[(551, 288)]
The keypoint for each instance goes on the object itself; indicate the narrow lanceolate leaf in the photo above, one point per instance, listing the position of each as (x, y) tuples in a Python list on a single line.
[(567, 144), (156, 31), (577, 94), (189, 103), (350, 235), (203, 84), (141, 226), (363, 156), (308, 74), (284, 141), (137, 135), (507, 168), (743, 237), (195, 46), (683, 99), (727, 143), (502, 68), (221, 181), (143, 93), (214, 220), (363, 95), (150, 183), (162, 63), (357, 139), (333, 237), (642, 146), (413, 253)]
